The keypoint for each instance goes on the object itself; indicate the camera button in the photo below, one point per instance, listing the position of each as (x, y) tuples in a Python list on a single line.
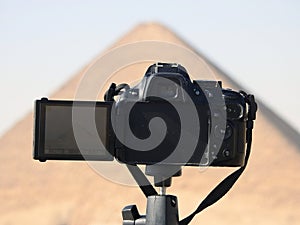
[(197, 92), (226, 153)]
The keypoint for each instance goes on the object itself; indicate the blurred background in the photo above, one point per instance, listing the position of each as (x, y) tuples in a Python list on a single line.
[(44, 48), (43, 43)]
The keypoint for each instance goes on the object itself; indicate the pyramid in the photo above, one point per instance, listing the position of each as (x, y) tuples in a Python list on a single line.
[(72, 193)]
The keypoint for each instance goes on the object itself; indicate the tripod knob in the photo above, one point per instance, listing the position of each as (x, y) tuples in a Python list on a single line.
[(131, 216)]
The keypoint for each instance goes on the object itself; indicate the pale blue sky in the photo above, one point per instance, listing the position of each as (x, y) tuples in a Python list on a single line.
[(43, 43)]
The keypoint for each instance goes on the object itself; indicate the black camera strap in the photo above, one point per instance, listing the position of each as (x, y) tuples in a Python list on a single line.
[(141, 180), (221, 189)]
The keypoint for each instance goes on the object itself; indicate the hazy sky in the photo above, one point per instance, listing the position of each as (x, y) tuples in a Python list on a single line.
[(43, 43)]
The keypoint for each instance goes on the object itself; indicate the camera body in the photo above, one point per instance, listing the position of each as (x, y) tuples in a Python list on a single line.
[(165, 119), (165, 90)]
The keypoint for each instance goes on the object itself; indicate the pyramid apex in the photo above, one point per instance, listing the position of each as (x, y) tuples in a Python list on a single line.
[(154, 31), (151, 24)]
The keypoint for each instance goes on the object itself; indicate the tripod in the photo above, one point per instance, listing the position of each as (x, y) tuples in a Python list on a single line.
[(162, 209)]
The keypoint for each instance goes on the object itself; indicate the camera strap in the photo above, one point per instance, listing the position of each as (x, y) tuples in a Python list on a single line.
[(221, 189), (141, 180)]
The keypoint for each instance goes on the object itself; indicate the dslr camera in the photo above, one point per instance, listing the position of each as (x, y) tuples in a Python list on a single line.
[(165, 119)]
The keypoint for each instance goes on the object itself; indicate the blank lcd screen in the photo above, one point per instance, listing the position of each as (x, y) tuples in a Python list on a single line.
[(72, 131)]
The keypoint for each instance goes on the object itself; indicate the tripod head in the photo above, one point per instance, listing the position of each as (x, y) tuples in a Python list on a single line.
[(162, 209), (163, 175)]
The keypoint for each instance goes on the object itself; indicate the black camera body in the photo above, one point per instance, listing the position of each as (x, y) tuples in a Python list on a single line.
[(166, 89), (165, 119)]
